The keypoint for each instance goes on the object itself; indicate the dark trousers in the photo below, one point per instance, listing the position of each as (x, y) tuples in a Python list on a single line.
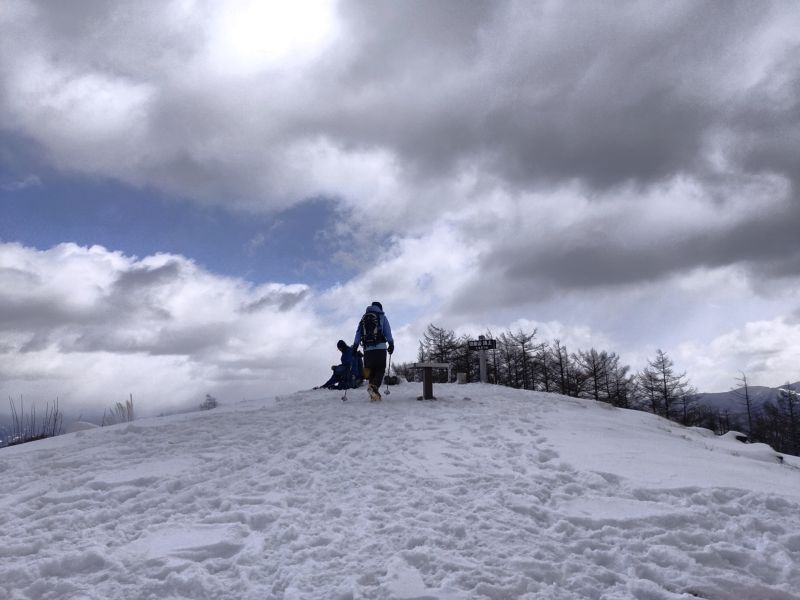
[(339, 379), (375, 363)]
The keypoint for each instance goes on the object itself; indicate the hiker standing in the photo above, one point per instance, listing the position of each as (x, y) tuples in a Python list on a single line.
[(375, 333)]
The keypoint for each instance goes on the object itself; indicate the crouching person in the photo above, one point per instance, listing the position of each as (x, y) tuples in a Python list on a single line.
[(344, 374)]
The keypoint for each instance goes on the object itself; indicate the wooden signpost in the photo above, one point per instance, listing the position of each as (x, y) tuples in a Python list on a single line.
[(482, 345)]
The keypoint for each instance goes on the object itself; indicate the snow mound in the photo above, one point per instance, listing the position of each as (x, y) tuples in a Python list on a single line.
[(79, 426), (485, 493)]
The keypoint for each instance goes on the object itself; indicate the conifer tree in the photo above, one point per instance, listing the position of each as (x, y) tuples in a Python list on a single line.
[(662, 386), (743, 393)]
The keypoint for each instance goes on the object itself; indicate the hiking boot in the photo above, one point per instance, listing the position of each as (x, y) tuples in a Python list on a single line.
[(374, 394)]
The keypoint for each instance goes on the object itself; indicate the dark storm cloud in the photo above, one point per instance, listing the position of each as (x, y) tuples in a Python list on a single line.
[(46, 314), (514, 272), (20, 312), (136, 300), (51, 316), (39, 313), (395, 37), (180, 341), (128, 29), (136, 279), (76, 20), (768, 132), (280, 300), (539, 93), (767, 245)]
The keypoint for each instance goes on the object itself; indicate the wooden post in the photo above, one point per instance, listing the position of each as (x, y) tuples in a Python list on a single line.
[(427, 378), (482, 360), (427, 383)]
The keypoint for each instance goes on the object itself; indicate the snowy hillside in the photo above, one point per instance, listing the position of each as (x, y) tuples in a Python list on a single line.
[(486, 493)]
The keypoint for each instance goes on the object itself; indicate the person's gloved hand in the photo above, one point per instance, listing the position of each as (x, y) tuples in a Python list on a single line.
[(391, 347)]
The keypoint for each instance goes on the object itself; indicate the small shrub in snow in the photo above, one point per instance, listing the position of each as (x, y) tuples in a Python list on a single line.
[(120, 413), (29, 427)]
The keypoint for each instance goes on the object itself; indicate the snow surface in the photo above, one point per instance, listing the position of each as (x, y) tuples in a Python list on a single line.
[(485, 493), (79, 426)]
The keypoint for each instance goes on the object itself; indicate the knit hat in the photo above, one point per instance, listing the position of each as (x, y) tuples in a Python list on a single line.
[(341, 344), (378, 304)]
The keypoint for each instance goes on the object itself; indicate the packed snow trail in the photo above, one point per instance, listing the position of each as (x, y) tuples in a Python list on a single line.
[(485, 493)]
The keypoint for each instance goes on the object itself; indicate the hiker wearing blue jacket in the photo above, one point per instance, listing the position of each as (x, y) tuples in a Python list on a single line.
[(375, 333), (347, 373)]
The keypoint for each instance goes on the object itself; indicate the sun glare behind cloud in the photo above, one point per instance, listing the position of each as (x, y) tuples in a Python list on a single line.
[(263, 34)]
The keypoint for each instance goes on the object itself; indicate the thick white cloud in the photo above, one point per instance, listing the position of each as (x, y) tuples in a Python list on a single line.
[(90, 325), (767, 351)]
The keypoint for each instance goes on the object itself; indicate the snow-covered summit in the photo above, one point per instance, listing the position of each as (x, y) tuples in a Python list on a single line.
[(485, 493)]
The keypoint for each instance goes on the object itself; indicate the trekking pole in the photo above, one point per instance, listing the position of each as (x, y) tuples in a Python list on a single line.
[(344, 398), (388, 374)]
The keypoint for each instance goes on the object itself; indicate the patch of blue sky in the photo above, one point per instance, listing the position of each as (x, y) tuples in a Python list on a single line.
[(294, 246)]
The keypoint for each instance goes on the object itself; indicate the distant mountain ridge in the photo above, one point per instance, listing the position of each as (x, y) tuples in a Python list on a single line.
[(733, 401)]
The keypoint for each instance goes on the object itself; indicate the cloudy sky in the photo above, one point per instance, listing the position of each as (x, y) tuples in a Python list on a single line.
[(203, 197)]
